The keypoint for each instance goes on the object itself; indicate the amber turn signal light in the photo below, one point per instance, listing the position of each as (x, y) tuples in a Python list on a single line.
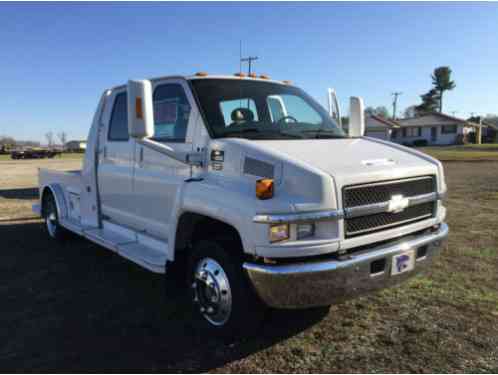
[(138, 108), (264, 188)]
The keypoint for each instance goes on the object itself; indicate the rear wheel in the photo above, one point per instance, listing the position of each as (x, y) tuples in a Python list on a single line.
[(222, 299), (52, 225)]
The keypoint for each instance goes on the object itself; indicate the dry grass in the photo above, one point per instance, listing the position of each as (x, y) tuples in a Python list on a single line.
[(80, 308)]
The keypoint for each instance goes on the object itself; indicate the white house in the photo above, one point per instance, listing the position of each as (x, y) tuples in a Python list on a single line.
[(432, 129), (379, 127)]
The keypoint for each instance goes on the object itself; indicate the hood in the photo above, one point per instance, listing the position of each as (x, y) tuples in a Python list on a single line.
[(352, 161)]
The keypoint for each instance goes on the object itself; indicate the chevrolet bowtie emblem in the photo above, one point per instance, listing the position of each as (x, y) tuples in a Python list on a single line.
[(398, 203)]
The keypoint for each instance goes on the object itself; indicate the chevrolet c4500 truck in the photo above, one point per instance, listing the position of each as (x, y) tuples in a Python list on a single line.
[(252, 190)]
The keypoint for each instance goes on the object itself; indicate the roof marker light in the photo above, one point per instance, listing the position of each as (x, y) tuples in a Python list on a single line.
[(264, 76), (201, 74), (241, 75)]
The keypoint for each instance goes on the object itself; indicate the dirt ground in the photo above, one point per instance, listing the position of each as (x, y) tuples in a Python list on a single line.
[(78, 307)]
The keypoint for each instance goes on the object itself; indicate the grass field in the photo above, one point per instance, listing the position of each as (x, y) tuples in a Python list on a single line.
[(78, 307), (464, 153)]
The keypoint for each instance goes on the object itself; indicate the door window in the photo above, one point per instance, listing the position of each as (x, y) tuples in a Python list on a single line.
[(118, 128), (171, 113)]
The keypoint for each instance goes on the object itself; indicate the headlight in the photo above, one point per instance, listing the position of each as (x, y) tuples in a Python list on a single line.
[(305, 230), (279, 232)]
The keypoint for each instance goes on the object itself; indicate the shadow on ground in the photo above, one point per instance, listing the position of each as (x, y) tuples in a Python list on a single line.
[(78, 307), (20, 193)]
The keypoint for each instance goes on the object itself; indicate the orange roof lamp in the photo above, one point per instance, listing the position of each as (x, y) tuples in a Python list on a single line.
[(253, 75), (264, 188), (240, 74), (264, 76), (201, 74)]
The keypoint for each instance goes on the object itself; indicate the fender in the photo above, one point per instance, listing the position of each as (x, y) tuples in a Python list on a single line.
[(211, 200)]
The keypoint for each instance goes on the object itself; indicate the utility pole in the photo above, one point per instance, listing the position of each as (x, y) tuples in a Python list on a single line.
[(395, 102), (249, 60), (453, 113)]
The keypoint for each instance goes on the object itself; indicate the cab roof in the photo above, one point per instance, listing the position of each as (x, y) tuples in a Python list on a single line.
[(214, 76)]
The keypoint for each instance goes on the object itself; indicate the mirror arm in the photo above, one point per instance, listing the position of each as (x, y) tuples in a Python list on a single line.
[(191, 158)]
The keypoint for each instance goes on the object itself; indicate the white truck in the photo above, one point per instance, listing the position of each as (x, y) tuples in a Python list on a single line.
[(253, 191)]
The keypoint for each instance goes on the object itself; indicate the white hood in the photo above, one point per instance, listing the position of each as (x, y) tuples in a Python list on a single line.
[(352, 161)]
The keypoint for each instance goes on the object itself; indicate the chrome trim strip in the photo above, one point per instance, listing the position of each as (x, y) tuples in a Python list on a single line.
[(318, 283), (376, 208), (298, 217)]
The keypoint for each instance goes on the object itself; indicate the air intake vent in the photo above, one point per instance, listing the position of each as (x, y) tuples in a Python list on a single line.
[(258, 168)]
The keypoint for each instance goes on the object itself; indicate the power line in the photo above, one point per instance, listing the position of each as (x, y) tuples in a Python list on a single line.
[(249, 60)]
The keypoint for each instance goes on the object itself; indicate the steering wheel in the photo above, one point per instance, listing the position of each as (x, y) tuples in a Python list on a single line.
[(283, 119)]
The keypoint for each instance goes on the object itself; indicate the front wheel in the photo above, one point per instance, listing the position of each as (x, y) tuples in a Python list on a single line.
[(222, 299)]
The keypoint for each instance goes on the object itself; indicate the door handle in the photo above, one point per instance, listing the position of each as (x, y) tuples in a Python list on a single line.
[(141, 155)]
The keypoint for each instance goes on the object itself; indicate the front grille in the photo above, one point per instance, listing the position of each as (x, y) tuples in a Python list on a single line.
[(359, 225), (361, 195), (382, 192)]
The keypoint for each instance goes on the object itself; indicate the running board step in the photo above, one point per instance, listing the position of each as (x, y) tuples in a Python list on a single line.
[(141, 249), (149, 258)]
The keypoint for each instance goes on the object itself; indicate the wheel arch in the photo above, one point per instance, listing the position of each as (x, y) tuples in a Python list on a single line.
[(192, 227), (58, 194)]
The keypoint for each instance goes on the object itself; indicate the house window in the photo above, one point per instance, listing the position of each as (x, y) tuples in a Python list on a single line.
[(449, 129), (394, 133), (412, 132)]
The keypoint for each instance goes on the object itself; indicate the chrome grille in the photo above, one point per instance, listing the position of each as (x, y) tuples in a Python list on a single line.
[(361, 195), (367, 205)]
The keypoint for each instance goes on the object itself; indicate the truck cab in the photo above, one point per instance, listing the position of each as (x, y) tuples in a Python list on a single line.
[(253, 191)]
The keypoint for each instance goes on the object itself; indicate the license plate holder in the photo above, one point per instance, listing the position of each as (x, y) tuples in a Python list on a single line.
[(403, 262)]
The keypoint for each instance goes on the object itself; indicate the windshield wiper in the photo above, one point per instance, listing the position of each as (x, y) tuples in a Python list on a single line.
[(240, 132), (321, 133)]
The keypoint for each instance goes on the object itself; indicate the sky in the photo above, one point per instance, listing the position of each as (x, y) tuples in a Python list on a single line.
[(56, 59)]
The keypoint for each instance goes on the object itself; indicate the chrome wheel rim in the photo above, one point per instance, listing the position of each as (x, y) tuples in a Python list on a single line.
[(51, 220), (212, 292)]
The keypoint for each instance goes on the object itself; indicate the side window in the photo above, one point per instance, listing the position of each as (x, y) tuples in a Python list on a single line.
[(171, 112), (118, 127), (239, 110)]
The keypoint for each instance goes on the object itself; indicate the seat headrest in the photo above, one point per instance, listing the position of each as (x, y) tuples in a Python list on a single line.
[(242, 115)]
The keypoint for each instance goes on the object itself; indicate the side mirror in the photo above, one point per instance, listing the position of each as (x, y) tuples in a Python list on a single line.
[(140, 109), (356, 117), (334, 109)]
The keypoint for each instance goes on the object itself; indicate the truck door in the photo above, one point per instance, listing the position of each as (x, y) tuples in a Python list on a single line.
[(158, 178), (117, 150)]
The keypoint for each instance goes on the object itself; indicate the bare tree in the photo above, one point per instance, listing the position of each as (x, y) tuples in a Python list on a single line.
[(63, 138), (50, 139)]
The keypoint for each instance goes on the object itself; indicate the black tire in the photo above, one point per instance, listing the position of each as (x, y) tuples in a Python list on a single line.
[(52, 226), (246, 310)]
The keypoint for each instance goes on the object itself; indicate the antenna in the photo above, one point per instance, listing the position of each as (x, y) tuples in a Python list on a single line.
[(395, 102)]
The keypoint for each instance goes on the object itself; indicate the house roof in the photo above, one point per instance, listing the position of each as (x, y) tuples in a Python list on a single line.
[(374, 122), (432, 119)]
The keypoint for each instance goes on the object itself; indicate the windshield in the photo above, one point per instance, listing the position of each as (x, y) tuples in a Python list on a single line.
[(262, 110)]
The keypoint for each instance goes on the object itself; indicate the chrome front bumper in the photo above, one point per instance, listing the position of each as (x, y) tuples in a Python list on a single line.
[(319, 283)]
